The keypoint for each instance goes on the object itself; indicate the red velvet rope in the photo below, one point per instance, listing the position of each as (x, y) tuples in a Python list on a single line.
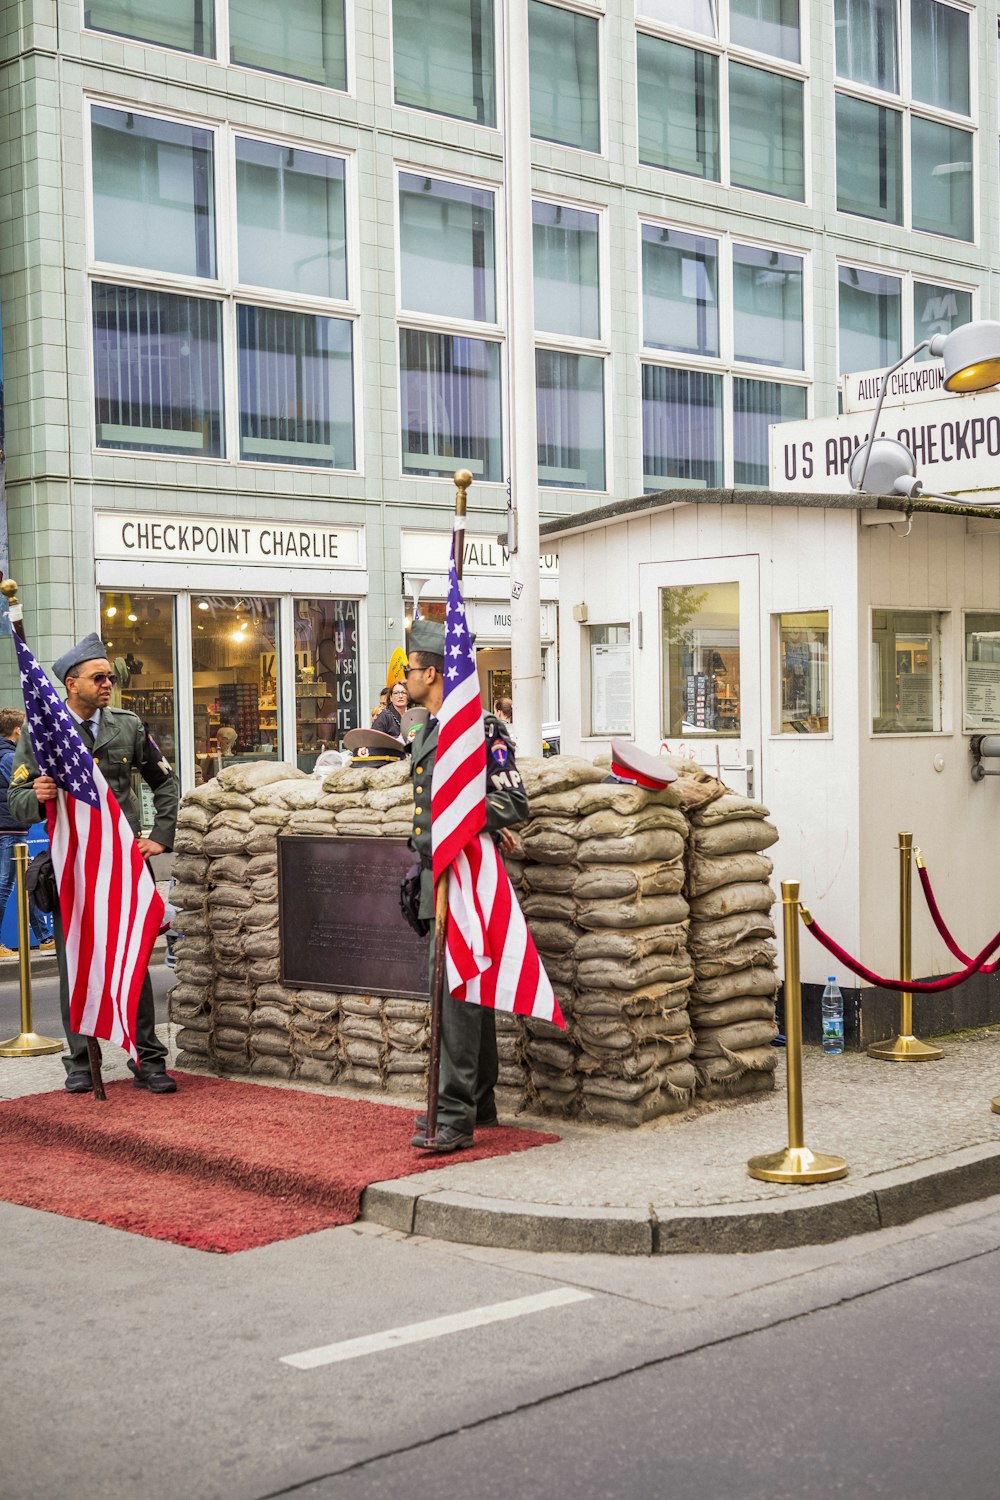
[(920, 986), (940, 924)]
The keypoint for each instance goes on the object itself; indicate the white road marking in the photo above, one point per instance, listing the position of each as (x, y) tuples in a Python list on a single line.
[(434, 1328)]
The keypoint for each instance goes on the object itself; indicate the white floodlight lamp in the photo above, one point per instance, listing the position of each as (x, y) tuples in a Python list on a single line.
[(971, 357)]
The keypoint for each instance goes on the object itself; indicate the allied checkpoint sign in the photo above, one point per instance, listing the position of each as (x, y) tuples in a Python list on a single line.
[(955, 439)]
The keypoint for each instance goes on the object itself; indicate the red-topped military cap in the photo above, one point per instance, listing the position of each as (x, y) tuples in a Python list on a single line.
[(629, 763)]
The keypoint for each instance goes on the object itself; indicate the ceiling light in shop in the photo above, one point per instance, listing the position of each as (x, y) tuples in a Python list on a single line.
[(202, 603), (111, 611), (133, 618)]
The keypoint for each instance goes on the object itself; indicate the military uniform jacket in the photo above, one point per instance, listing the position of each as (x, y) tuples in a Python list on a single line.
[(122, 746), (506, 799)]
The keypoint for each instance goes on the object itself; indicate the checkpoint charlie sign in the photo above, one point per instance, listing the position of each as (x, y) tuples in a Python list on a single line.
[(166, 538), (954, 439)]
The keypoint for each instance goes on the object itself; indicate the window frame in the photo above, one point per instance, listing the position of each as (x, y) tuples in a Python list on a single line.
[(777, 733), (945, 667)]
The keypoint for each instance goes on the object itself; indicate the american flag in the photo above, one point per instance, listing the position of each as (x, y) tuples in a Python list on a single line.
[(491, 958), (111, 910)]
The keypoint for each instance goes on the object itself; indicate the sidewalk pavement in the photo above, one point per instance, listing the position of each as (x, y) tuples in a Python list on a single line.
[(917, 1137)]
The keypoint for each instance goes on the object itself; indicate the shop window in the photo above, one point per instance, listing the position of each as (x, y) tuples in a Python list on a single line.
[(803, 661), (296, 388), (766, 132), (187, 25), (154, 193), (680, 291), (610, 679), (869, 160), (446, 240), (867, 42), (681, 428), (235, 677), (870, 311), (450, 394), (758, 405), (443, 57), (770, 26), (569, 406), (939, 39), (700, 630), (982, 672), (906, 671), (768, 307), (565, 76), (300, 38), (326, 676), (566, 266), (157, 372), (678, 107), (941, 174), (138, 631), (938, 309), (290, 217)]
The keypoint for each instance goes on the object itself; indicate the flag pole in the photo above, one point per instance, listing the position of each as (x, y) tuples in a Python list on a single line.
[(463, 479), (9, 590)]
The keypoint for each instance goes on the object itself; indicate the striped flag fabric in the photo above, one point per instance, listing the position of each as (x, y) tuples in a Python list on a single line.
[(491, 958), (111, 910)]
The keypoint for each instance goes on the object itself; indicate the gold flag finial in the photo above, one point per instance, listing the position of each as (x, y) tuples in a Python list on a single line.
[(9, 590)]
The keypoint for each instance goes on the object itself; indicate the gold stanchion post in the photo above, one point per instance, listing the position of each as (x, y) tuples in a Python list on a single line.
[(906, 1047), (28, 1043), (796, 1163)]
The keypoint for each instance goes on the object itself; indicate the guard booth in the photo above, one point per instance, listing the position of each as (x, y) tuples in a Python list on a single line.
[(830, 655)]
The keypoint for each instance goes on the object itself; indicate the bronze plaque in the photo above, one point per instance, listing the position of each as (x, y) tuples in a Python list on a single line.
[(339, 919)]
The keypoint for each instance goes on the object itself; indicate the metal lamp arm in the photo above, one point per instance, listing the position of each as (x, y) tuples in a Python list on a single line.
[(924, 344)]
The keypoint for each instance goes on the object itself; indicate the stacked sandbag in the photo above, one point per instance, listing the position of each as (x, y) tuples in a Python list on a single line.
[(731, 945), (600, 874)]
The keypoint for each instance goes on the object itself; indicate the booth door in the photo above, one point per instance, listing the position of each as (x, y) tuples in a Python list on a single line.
[(698, 688)]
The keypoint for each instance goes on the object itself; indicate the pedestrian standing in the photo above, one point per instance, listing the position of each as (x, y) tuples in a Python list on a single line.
[(12, 832)]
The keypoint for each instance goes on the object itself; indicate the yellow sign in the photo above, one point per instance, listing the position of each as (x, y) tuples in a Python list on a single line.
[(397, 668)]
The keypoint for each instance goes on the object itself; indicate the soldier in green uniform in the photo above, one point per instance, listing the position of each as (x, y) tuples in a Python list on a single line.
[(468, 1032), (120, 745)]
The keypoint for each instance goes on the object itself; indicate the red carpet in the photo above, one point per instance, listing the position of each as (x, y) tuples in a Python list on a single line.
[(220, 1165)]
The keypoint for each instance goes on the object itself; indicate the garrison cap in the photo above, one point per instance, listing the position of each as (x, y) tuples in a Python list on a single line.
[(427, 635), (91, 648), (411, 722), (629, 763), (370, 747)]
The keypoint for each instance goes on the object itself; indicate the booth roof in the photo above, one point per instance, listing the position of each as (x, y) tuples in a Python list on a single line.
[(621, 510)]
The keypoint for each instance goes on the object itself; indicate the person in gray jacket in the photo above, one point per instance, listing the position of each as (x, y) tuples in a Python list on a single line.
[(120, 745)]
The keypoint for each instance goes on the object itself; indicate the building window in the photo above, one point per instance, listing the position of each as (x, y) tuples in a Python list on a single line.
[(138, 629), (567, 270), (941, 172), (298, 38), (803, 662), (327, 683), (870, 319), (940, 51), (296, 387), (446, 249), (291, 219), (766, 139), (684, 15), (770, 26), (186, 25), (443, 57), (570, 414), (768, 323), (906, 671), (450, 395), (565, 76), (680, 291), (234, 659), (867, 42), (681, 428), (157, 371), (757, 405), (869, 160), (154, 193), (678, 107), (700, 633), (982, 672), (610, 679), (938, 309)]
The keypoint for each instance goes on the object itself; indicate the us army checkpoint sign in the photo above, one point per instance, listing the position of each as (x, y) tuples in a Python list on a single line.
[(955, 441)]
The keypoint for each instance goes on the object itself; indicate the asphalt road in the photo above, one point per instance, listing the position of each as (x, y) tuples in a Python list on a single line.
[(133, 1367)]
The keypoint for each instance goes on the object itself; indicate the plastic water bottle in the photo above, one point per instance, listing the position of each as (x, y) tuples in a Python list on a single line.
[(833, 1017)]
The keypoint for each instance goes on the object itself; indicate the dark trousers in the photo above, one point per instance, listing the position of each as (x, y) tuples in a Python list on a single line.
[(469, 1066), (152, 1052)]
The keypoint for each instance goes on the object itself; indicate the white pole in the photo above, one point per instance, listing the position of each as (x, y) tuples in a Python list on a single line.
[(525, 609)]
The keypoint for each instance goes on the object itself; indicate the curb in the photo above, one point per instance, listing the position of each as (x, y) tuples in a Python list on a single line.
[(807, 1216)]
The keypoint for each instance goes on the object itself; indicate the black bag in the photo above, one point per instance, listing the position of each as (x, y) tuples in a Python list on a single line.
[(40, 881), (409, 901)]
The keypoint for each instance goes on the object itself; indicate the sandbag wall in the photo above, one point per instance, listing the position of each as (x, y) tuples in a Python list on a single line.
[(650, 922)]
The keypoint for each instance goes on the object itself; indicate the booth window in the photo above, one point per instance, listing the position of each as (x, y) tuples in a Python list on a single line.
[(700, 630), (564, 68), (982, 672), (906, 671), (326, 676), (610, 679), (442, 58), (234, 661), (298, 38), (803, 661)]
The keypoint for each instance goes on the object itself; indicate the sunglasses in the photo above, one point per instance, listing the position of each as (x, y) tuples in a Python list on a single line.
[(100, 677), (408, 670)]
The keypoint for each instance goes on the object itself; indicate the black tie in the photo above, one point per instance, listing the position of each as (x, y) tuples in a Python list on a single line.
[(87, 730)]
